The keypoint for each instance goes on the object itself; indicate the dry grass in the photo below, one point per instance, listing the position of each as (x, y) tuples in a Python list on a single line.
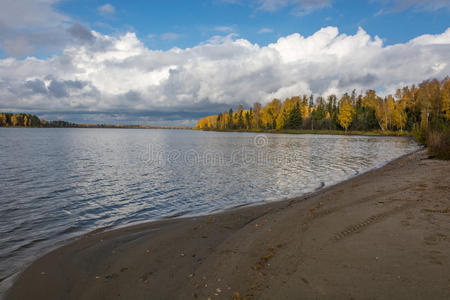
[(438, 143)]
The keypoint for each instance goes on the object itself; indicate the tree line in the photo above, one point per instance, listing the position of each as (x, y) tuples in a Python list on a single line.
[(415, 107), (29, 120)]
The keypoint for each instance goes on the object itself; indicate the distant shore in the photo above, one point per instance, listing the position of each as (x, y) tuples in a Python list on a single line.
[(313, 131), (384, 234), (94, 126)]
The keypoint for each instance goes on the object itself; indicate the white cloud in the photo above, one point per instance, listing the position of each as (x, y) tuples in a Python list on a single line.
[(300, 7), (27, 24), (303, 7), (265, 30), (120, 74), (429, 5), (30, 13), (225, 28), (106, 9), (170, 36), (432, 39)]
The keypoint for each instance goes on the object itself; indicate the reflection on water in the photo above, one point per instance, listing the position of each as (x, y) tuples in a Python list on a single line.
[(60, 183)]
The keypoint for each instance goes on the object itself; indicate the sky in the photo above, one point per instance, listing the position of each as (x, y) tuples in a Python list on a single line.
[(173, 62)]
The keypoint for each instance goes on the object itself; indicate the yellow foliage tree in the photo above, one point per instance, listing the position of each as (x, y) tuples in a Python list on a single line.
[(305, 111), (287, 107), (271, 112), (257, 113), (15, 120), (346, 111), (281, 119), (383, 111), (207, 123), (370, 99), (399, 116), (3, 119)]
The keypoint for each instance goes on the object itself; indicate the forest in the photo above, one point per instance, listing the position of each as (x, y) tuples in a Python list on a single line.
[(29, 120), (422, 110), (427, 104)]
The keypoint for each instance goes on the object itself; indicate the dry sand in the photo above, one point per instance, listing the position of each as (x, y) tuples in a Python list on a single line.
[(382, 235)]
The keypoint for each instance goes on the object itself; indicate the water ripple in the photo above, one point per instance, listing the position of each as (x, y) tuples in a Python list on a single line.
[(60, 183)]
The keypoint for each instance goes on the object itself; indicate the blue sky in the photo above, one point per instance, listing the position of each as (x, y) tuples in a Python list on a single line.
[(192, 22), (176, 23), (117, 61)]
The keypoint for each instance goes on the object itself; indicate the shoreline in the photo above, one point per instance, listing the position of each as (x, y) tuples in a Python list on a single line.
[(269, 250), (103, 127), (315, 131), (261, 131)]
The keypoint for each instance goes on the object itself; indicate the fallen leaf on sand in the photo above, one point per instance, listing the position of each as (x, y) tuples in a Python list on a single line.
[(261, 264)]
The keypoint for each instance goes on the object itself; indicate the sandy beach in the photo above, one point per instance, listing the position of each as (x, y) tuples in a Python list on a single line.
[(382, 235)]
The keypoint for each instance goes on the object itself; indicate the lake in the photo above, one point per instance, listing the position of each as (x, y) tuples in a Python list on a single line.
[(57, 184)]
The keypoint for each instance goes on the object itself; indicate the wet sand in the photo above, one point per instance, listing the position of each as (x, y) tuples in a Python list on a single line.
[(382, 235)]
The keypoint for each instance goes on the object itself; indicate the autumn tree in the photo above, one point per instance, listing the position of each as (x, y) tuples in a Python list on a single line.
[(207, 123), (3, 120), (271, 111), (15, 120), (399, 116), (346, 111), (257, 113)]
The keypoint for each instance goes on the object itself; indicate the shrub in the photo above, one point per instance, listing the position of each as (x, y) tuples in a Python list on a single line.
[(438, 143), (420, 135)]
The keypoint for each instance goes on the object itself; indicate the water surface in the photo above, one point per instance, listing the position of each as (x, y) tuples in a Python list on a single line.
[(59, 183)]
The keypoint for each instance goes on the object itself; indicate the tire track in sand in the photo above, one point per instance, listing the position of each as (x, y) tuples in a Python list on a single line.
[(360, 226)]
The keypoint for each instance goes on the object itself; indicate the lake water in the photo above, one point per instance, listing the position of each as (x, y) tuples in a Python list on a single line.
[(56, 184)]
